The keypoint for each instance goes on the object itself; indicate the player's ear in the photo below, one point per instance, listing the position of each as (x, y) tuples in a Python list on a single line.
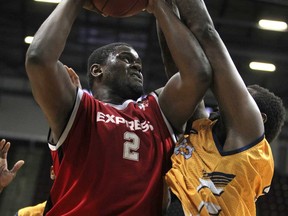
[(96, 70), (264, 117)]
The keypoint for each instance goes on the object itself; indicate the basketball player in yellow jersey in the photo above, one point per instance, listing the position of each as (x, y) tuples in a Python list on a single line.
[(222, 166), (211, 181)]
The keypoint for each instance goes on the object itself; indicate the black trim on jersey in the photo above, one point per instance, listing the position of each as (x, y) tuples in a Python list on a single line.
[(156, 93), (225, 153), (157, 90)]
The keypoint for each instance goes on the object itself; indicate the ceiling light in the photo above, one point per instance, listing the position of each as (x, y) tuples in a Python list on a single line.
[(261, 66), (28, 39), (273, 25), (48, 1)]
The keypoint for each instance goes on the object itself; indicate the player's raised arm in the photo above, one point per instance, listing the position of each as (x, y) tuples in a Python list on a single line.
[(238, 109), (51, 86), (186, 89), (168, 61), (170, 66)]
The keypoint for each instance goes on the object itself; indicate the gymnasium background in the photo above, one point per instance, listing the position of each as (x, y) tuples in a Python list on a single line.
[(22, 122)]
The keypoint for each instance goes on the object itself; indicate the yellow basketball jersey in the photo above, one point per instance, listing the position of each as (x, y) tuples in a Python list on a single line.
[(209, 181)]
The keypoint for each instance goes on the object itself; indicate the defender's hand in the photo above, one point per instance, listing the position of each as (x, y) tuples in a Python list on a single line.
[(6, 176)]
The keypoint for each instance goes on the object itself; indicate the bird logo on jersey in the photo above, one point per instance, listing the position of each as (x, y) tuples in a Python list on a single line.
[(215, 181)]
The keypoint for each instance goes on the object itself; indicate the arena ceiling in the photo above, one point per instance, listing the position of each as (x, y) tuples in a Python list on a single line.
[(235, 20)]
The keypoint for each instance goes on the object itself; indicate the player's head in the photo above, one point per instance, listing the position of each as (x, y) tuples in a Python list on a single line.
[(117, 67), (272, 106)]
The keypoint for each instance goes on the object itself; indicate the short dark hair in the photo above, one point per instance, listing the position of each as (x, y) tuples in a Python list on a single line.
[(100, 55), (273, 107)]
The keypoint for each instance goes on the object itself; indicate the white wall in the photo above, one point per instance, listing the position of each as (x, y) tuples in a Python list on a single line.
[(21, 117)]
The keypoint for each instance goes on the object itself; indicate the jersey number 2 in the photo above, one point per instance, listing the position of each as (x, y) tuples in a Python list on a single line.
[(131, 146)]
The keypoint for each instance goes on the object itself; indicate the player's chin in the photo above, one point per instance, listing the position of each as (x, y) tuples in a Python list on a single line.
[(137, 91), (136, 83)]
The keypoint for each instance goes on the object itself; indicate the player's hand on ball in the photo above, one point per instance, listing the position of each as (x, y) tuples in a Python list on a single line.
[(88, 5)]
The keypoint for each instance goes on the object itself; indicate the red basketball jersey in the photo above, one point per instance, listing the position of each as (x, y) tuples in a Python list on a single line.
[(111, 159)]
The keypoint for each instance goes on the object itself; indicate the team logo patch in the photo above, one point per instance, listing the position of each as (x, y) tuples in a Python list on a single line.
[(215, 181), (143, 103), (184, 148)]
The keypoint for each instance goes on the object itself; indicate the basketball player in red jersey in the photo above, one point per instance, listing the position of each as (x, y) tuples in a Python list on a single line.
[(6, 175), (111, 150), (221, 167)]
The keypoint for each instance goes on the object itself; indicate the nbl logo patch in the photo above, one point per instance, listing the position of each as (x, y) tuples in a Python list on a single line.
[(183, 148)]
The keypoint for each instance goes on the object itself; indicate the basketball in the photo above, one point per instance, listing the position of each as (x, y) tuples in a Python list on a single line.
[(120, 8)]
